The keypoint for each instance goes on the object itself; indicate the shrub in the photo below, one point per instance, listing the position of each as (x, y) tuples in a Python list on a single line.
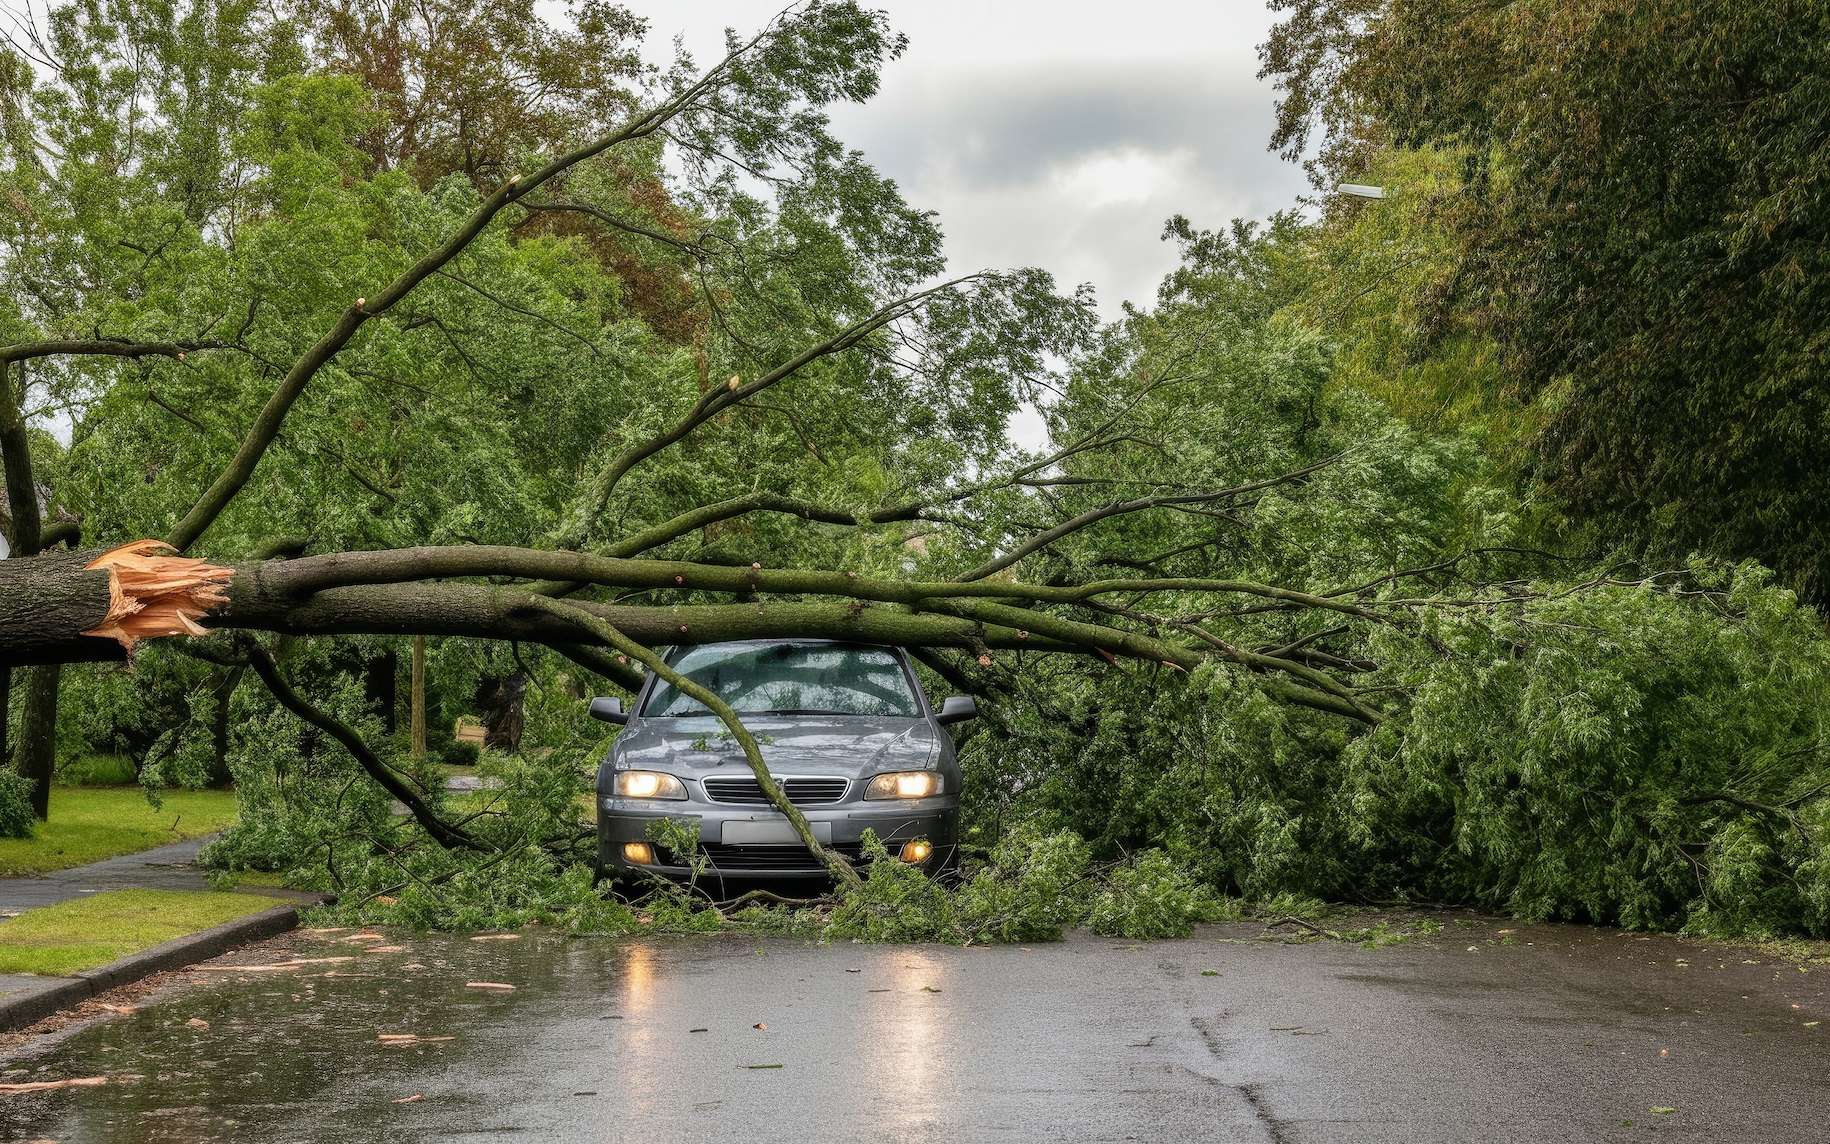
[(1034, 887), (458, 753), (16, 818), (96, 770), (1151, 897)]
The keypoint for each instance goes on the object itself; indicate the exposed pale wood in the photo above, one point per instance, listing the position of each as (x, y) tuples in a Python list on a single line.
[(152, 593)]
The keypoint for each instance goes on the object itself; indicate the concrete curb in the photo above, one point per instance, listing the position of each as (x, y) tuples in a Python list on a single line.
[(35, 1004)]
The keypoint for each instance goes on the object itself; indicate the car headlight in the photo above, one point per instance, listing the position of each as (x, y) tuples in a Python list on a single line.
[(648, 784), (904, 784)]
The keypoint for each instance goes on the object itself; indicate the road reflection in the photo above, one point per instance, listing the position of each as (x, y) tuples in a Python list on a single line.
[(906, 1036)]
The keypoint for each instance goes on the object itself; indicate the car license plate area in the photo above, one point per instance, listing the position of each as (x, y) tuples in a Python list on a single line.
[(770, 832)]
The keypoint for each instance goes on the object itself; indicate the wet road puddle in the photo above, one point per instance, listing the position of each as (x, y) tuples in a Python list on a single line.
[(337, 1035)]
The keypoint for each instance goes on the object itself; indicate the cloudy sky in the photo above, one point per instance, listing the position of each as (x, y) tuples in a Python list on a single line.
[(1056, 134)]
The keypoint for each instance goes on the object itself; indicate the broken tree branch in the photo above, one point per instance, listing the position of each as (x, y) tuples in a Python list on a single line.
[(266, 427), (1118, 508), (720, 398), (104, 347), (72, 606), (446, 835)]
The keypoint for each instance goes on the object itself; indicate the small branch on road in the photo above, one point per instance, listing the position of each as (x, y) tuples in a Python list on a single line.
[(1287, 920)]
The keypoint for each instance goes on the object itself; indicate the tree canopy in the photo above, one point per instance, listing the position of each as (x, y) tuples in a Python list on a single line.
[(394, 321), (1632, 198)]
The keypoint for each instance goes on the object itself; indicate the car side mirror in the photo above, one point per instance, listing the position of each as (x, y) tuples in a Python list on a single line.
[(609, 709), (957, 709)]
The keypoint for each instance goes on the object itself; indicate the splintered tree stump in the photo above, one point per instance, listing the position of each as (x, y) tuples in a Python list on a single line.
[(60, 607)]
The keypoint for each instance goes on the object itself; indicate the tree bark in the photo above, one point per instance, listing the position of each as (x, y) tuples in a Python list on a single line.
[(500, 699), (47, 603), (220, 775), (36, 756), (417, 698), (623, 674), (37, 753)]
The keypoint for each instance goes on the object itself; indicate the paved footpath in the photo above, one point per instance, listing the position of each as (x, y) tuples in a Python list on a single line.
[(172, 867), (164, 868)]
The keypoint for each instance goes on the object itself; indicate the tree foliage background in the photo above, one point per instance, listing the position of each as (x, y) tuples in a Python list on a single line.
[(1526, 438)]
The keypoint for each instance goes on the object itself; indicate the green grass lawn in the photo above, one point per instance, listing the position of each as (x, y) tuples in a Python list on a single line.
[(91, 823), (86, 932)]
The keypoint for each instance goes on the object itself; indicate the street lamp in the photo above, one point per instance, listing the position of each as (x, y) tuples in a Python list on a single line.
[(1360, 190)]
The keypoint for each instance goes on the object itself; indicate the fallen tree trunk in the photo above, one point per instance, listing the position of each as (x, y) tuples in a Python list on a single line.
[(72, 606), (51, 606), (509, 614), (58, 607), (47, 603)]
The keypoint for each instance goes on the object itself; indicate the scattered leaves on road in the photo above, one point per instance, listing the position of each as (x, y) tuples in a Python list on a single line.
[(414, 1099), (1661, 1110)]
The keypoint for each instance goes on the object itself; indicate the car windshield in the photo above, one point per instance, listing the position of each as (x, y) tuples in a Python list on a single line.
[(790, 679)]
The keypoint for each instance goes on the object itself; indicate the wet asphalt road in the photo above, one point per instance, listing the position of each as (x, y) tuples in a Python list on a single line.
[(1539, 1034)]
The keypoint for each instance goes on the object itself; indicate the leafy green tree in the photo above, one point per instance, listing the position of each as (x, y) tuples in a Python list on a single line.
[(1245, 605), (1639, 226)]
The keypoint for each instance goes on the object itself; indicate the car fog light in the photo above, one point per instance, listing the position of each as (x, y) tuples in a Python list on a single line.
[(904, 784), (917, 851), (639, 853)]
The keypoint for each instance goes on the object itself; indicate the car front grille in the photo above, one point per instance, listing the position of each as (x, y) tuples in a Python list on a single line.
[(765, 859), (746, 791)]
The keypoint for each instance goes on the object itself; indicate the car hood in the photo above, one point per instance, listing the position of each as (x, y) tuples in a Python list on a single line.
[(791, 744)]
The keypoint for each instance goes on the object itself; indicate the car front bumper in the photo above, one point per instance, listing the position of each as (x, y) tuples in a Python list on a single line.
[(935, 820)]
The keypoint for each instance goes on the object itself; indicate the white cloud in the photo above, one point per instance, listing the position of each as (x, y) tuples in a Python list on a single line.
[(1057, 133), (1126, 176)]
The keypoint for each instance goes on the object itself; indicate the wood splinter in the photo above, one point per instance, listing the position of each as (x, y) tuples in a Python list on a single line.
[(154, 592)]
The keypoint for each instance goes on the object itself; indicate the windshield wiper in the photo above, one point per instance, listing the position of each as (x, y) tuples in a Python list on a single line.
[(793, 711)]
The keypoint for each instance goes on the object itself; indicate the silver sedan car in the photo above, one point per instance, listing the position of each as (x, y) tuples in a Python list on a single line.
[(844, 728)]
